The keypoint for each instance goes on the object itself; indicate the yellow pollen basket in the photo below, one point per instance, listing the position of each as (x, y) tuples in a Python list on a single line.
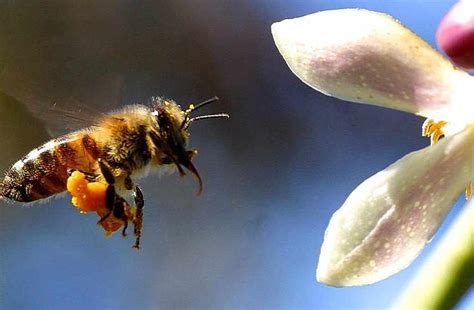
[(86, 196), (90, 197)]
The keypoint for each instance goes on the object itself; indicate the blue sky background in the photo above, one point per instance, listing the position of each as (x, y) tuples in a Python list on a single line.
[(274, 173)]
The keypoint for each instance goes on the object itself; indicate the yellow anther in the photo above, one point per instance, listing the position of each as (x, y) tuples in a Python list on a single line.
[(435, 136), (425, 128), (433, 129), (469, 191)]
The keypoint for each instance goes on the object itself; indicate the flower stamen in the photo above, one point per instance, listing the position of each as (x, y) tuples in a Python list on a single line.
[(433, 129), (468, 191)]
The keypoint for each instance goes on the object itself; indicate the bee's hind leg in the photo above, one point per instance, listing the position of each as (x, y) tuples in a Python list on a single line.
[(89, 177), (119, 206), (110, 191), (138, 220)]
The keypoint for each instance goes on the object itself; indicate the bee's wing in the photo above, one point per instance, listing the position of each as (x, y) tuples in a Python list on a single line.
[(64, 109), (67, 115)]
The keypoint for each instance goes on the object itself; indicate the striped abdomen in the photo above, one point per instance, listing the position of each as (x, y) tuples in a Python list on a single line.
[(44, 171)]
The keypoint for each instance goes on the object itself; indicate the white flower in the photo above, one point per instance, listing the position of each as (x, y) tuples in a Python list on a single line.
[(369, 57)]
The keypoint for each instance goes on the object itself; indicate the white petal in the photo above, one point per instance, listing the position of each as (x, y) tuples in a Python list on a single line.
[(388, 219), (369, 57)]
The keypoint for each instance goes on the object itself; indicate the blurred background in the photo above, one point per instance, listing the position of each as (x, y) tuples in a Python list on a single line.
[(273, 173)]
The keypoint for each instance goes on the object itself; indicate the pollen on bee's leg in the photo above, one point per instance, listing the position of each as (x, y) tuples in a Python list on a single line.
[(468, 194), (74, 201), (433, 129), (86, 196)]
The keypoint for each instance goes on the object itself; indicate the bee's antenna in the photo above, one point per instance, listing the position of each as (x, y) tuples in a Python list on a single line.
[(200, 117), (220, 115), (204, 103), (187, 119)]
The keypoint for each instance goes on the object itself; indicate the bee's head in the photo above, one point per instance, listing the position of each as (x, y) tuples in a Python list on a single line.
[(172, 133)]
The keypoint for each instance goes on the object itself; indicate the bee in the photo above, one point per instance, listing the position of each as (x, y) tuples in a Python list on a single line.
[(109, 155)]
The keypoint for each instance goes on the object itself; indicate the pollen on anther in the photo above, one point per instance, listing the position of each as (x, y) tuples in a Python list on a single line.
[(468, 193)]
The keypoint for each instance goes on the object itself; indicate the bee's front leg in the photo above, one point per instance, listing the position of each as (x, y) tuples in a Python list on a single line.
[(138, 220), (139, 203), (120, 212)]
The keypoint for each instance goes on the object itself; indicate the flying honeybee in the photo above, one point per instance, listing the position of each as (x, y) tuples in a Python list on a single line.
[(109, 156)]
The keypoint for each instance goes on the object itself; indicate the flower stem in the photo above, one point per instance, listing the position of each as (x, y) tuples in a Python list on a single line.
[(449, 272)]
